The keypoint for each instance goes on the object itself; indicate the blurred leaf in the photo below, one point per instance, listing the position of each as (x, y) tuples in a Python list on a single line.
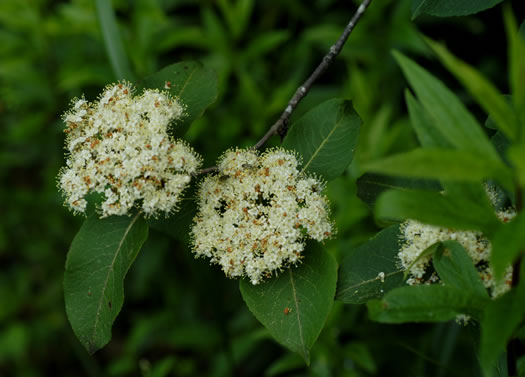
[(294, 305), (360, 354), (287, 363), (508, 243), (194, 84), (371, 269), (424, 303), (112, 40), (483, 91), (427, 133), (449, 115), (263, 44), (371, 185), (501, 320), (448, 8), (516, 156), (516, 62), (99, 258), (456, 269), (436, 209), (442, 164), (325, 137)]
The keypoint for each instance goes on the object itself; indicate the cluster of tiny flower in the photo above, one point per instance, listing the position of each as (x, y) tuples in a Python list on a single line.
[(119, 146), (256, 212), (416, 237)]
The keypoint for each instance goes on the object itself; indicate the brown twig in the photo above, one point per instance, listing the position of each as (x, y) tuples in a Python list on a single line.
[(281, 126)]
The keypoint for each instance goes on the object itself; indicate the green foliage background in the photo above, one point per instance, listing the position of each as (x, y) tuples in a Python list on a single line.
[(182, 317)]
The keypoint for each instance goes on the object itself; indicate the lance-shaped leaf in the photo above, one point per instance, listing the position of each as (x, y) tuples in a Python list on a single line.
[(112, 40), (371, 185), (437, 209), (371, 270), (501, 320), (508, 243), (448, 8), (194, 84), (516, 59), (294, 305), (449, 115), (442, 164), (427, 133), (425, 303), (456, 269), (326, 137), (484, 92), (99, 258)]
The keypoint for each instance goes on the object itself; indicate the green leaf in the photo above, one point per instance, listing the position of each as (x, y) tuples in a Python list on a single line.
[(507, 244), (112, 40), (516, 59), (501, 320), (449, 115), (436, 209), (371, 269), (99, 258), (442, 164), (447, 8), (370, 185), (294, 305), (456, 269), (427, 133), (483, 91), (326, 137), (194, 84), (424, 303)]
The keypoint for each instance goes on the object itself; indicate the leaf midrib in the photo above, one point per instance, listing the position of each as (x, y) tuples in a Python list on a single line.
[(316, 152), (119, 248), (368, 282), (187, 81), (299, 324)]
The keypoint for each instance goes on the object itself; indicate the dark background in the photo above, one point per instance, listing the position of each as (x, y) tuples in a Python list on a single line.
[(182, 317)]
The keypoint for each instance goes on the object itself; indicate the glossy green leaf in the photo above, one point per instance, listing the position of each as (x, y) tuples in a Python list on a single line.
[(424, 303), (483, 91), (442, 164), (436, 209), (449, 115), (370, 185), (99, 258), (448, 8), (427, 133), (371, 269), (501, 320), (456, 269), (507, 244), (194, 84), (326, 137), (112, 40), (294, 305)]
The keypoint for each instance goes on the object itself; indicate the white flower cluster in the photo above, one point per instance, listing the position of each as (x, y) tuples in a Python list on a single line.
[(119, 146), (256, 212), (416, 237)]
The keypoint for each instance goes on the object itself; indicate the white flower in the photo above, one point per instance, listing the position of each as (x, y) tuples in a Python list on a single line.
[(119, 146), (416, 237), (256, 212)]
